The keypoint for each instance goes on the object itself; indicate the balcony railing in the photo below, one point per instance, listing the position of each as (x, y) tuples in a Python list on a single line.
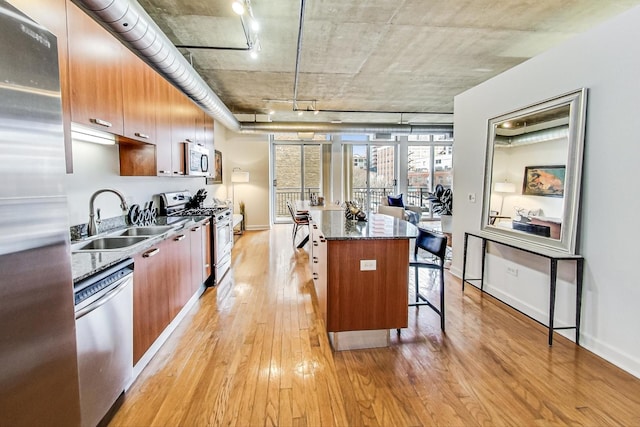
[(288, 194), (415, 196)]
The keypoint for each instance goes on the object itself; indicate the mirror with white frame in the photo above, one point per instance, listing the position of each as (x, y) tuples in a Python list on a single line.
[(533, 173)]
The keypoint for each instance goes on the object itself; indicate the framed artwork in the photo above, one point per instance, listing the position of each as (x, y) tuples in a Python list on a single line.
[(217, 168), (544, 181)]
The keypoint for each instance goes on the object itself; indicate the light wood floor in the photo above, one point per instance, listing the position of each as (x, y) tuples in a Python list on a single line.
[(253, 352)]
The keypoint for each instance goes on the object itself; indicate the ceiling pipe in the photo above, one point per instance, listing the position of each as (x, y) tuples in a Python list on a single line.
[(358, 128), (298, 53), (131, 24)]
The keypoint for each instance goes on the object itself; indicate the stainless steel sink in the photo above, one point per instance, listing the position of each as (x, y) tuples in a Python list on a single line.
[(145, 231), (110, 243)]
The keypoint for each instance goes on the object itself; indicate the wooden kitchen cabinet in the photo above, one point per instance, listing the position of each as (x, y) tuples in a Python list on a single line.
[(163, 127), (52, 14), (95, 78), (162, 284), (318, 262), (208, 133), (139, 94), (179, 270), (151, 297), (183, 129)]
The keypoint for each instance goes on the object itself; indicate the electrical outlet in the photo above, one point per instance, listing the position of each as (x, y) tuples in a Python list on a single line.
[(472, 197), (512, 271), (367, 264)]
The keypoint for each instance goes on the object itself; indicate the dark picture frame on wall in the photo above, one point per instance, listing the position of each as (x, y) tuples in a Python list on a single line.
[(546, 181), (217, 168)]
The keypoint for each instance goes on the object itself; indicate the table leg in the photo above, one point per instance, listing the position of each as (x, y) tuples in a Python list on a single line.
[(552, 296), (484, 256), (579, 271), (464, 260)]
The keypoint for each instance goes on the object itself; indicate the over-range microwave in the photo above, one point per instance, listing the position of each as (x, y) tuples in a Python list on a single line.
[(196, 159)]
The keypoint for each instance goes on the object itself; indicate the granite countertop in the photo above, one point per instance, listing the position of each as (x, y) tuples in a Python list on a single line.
[(335, 226), (85, 264)]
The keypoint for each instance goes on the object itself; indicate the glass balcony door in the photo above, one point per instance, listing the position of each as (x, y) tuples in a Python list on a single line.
[(370, 172), (297, 174), (427, 166)]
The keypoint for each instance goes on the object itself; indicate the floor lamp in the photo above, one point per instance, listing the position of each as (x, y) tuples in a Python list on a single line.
[(504, 188), (238, 176)]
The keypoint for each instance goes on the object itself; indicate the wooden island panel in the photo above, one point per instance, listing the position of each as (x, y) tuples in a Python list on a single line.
[(367, 300)]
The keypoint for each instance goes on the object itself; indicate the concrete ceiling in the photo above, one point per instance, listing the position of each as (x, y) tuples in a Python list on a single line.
[(372, 61)]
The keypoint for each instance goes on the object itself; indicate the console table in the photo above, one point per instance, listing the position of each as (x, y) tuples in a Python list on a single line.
[(553, 258)]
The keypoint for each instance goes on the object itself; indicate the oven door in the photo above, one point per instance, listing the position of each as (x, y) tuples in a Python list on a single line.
[(196, 159), (223, 243), (224, 240)]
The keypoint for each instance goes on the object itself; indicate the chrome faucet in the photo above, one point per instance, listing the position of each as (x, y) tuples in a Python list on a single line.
[(92, 228)]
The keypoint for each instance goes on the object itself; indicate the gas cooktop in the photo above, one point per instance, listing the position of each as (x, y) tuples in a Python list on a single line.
[(181, 203)]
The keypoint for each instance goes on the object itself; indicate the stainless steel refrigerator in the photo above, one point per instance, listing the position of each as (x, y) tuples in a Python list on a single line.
[(38, 362)]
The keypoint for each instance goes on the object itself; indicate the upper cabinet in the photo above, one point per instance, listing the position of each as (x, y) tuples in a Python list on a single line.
[(208, 133), (139, 93), (163, 128), (183, 118), (95, 78)]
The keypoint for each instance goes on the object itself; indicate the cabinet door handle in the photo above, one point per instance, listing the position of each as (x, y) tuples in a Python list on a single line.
[(178, 173), (165, 172), (141, 135), (101, 122), (315, 259), (195, 228), (151, 253), (180, 237), (188, 139), (315, 243), (315, 276)]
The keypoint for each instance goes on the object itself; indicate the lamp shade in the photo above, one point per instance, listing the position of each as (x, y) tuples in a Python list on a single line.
[(239, 176), (504, 187)]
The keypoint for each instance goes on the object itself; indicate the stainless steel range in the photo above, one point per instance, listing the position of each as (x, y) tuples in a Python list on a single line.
[(182, 203)]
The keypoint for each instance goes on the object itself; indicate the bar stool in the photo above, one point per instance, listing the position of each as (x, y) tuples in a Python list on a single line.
[(436, 247), (299, 219)]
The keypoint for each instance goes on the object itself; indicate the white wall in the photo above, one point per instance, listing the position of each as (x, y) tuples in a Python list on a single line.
[(606, 60), (97, 166), (250, 153)]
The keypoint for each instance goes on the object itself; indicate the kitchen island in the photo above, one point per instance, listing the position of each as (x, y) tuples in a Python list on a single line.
[(360, 274)]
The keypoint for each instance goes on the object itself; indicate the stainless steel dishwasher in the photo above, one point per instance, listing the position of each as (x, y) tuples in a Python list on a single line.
[(104, 334)]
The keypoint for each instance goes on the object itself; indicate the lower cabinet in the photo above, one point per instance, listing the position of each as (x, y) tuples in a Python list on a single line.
[(352, 299), (318, 260), (151, 297), (162, 284)]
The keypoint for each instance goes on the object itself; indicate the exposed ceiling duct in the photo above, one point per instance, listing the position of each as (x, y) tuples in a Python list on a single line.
[(359, 128), (545, 135), (129, 22)]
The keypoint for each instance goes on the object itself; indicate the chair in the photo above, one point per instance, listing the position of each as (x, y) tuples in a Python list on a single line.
[(299, 219), (407, 212), (436, 247)]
